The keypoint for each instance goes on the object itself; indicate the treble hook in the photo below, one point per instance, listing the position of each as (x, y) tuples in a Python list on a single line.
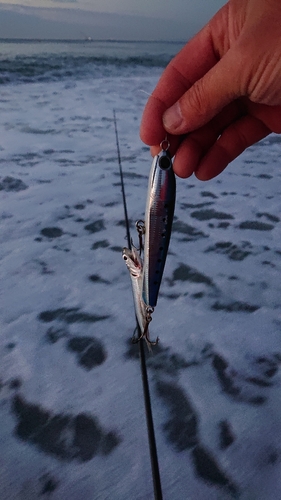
[(145, 334), (141, 231)]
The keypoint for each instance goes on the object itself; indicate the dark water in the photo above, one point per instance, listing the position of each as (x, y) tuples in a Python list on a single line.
[(48, 61)]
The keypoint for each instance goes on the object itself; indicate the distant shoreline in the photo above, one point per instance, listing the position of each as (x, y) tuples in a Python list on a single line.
[(81, 40)]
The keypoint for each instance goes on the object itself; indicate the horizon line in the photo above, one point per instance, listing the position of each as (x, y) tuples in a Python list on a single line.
[(87, 40)]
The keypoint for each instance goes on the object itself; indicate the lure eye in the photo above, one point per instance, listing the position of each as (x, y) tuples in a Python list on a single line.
[(165, 161), (125, 257)]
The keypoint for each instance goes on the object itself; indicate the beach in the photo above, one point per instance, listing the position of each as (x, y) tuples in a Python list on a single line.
[(71, 403)]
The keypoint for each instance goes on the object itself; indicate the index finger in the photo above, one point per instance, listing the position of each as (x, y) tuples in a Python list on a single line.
[(195, 59)]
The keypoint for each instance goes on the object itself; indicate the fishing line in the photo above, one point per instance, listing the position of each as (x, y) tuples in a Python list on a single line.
[(122, 184), (146, 393), (147, 93)]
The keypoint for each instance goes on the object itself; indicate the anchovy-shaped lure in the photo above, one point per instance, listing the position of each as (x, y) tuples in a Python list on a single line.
[(143, 312), (160, 205)]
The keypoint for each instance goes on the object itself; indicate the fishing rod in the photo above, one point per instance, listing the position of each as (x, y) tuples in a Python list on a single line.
[(146, 392), (122, 183)]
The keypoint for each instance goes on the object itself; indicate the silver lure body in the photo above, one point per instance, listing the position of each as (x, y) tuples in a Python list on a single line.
[(159, 213), (134, 265)]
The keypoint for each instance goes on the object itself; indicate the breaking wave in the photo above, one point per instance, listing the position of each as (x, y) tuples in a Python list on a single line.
[(59, 65)]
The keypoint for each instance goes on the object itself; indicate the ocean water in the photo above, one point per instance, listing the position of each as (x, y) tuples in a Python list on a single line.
[(71, 405), (23, 62)]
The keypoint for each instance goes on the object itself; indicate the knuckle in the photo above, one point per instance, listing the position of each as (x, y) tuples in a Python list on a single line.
[(197, 98)]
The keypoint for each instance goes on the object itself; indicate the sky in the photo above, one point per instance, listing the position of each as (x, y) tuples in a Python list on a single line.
[(103, 19)]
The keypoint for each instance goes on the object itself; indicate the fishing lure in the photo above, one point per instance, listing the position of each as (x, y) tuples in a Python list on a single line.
[(146, 274), (160, 205), (143, 312)]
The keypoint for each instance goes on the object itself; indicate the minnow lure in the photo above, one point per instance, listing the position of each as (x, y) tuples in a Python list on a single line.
[(143, 312), (146, 274), (160, 205)]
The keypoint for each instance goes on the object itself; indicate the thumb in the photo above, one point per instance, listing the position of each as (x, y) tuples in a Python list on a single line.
[(207, 96)]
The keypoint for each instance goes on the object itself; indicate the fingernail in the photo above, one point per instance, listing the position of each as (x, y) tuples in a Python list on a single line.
[(172, 118)]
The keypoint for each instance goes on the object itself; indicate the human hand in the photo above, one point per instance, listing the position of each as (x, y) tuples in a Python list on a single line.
[(222, 92)]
